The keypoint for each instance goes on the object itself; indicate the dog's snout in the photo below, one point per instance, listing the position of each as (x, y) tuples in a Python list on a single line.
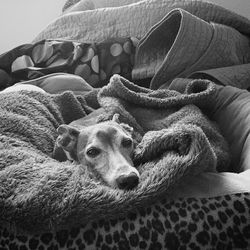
[(127, 181)]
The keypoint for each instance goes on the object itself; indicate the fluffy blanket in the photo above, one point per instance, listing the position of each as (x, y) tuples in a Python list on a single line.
[(38, 193)]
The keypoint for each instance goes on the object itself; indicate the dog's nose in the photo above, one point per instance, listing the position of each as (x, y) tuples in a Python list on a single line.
[(127, 181)]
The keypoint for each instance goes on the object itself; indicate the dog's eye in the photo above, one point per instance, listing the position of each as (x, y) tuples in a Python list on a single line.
[(93, 152), (126, 142)]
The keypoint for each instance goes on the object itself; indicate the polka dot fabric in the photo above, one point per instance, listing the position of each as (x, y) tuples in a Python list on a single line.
[(95, 63)]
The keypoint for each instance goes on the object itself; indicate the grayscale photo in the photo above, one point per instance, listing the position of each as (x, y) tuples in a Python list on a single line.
[(125, 124)]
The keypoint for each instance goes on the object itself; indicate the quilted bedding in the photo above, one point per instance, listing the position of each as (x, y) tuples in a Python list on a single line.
[(157, 56), (150, 42)]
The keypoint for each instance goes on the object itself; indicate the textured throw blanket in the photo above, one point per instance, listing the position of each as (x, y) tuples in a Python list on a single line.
[(149, 42), (174, 139), (177, 38), (131, 19)]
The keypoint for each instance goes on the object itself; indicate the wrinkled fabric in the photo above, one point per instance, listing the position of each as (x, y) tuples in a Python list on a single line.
[(95, 63), (38, 193)]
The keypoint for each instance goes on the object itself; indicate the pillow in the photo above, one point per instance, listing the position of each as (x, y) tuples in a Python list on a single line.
[(59, 82), (231, 110)]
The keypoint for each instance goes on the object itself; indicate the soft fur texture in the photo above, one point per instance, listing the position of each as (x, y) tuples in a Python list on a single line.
[(38, 193)]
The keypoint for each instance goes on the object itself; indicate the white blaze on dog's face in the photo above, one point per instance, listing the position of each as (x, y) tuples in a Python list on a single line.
[(107, 147)]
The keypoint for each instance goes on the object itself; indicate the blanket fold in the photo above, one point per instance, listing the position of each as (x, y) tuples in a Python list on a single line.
[(182, 43), (236, 76), (37, 193)]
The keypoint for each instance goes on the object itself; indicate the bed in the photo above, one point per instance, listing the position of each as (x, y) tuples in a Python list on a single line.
[(178, 72)]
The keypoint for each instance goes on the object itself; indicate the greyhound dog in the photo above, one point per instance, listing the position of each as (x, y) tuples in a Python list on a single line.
[(106, 147)]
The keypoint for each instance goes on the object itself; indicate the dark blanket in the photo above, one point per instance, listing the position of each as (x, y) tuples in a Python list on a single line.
[(38, 193)]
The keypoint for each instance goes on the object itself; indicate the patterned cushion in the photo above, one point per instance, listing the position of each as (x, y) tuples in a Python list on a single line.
[(95, 63)]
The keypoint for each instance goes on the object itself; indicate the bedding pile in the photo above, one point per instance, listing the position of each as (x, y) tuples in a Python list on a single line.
[(39, 193), (152, 39), (150, 42), (176, 38)]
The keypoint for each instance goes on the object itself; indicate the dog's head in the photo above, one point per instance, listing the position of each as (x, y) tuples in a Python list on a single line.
[(106, 147)]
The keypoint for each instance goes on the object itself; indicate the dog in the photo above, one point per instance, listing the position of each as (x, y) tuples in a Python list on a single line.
[(105, 147)]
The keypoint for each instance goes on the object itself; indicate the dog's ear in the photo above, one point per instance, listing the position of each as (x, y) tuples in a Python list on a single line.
[(67, 138), (116, 118), (127, 128)]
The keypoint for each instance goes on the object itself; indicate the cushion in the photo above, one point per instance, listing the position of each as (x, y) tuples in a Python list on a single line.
[(229, 107), (232, 113), (209, 184)]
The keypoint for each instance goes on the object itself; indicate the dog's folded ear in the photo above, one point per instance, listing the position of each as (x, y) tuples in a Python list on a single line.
[(68, 136), (127, 128), (67, 140), (116, 118)]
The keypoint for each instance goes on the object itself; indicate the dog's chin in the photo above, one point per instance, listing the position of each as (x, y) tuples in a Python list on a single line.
[(113, 185), (110, 183)]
